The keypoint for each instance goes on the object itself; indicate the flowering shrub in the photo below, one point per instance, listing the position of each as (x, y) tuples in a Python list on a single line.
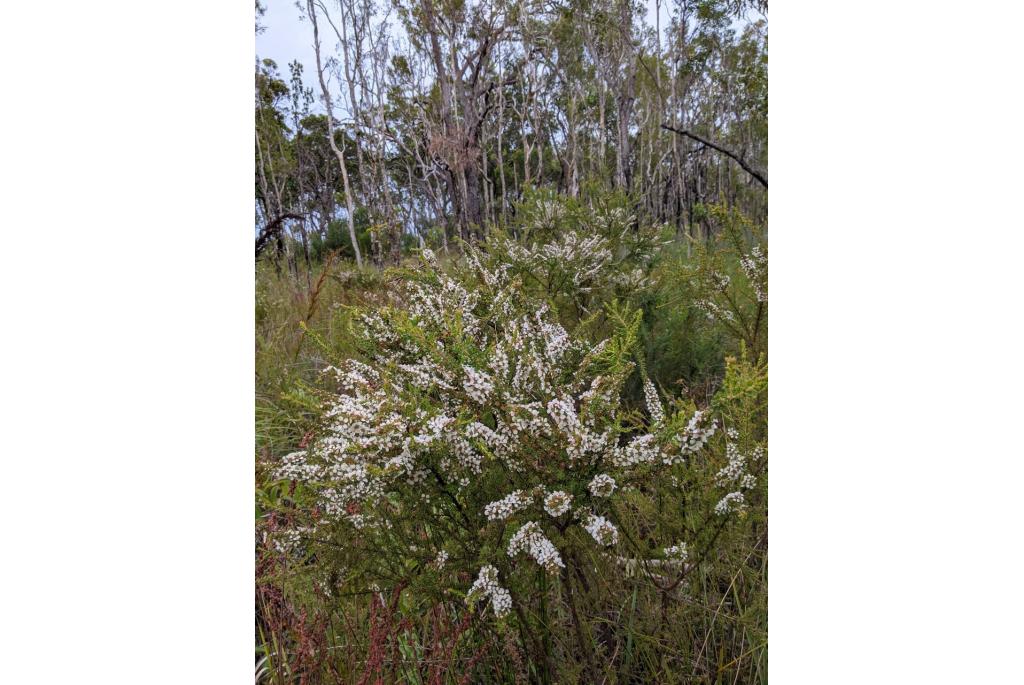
[(577, 257), (737, 302), (477, 453)]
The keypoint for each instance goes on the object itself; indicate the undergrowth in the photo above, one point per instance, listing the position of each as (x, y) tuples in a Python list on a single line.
[(540, 459)]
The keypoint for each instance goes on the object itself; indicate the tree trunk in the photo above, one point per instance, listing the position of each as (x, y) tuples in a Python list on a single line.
[(339, 153)]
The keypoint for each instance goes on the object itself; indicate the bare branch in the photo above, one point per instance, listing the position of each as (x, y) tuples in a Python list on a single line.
[(759, 175)]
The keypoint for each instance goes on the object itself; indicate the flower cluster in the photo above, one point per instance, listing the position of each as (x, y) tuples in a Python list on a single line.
[(468, 387), (736, 474), (557, 503), (501, 509), (653, 402), (531, 539), (734, 501), (698, 431), (677, 552), (486, 586), (479, 385), (755, 268), (602, 530), (581, 258), (602, 485), (714, 311), (289, 541), (643, 449)]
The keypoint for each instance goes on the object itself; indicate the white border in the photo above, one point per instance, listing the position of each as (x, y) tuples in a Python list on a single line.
[(127, 354), (127, 347), (895, 335)]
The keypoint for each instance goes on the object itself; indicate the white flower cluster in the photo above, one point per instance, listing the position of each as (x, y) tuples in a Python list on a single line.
[(557, 503), (531, 539), (462, 386), (426, 376), (479, 385), (632, 280), (438, 305), (735, 471), (653, 402), (549, 212), (602, 485), (643, 449), (755, 268), (289, 541), (581, 443), (714, 311), (507, 505), (698, 431), (677, 552), (486, 586), (294, 466), (602, 530), (581, 258), (563, 413), (734, 501)]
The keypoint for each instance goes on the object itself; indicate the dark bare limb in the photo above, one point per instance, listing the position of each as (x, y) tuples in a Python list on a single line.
[(272, 229), (759, 175)]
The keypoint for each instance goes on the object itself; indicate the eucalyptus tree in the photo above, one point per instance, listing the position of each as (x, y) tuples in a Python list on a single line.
[(339, 151), (443, 127), (459, 40)]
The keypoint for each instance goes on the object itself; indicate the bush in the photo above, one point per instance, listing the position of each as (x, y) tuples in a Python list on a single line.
[(477, 458), (338, 239)]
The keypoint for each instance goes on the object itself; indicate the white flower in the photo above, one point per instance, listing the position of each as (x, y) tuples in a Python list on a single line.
[(506, 506), (696, 434), (531, 539), (714, 311), (295, 466), (563, 413), (755, 268), (486, 586), (602, 485), (653, 403), (643, 449), (677, 552), (557, 503), (479, 385), (734, 501), (290, 540), (735, 471), (602, 530), (578, 259)]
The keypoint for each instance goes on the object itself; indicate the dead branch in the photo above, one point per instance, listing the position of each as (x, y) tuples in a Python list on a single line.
[(759, 175)]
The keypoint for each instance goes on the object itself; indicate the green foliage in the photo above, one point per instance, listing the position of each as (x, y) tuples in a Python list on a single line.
[(624, 613), (618, 269), (338, 239)]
